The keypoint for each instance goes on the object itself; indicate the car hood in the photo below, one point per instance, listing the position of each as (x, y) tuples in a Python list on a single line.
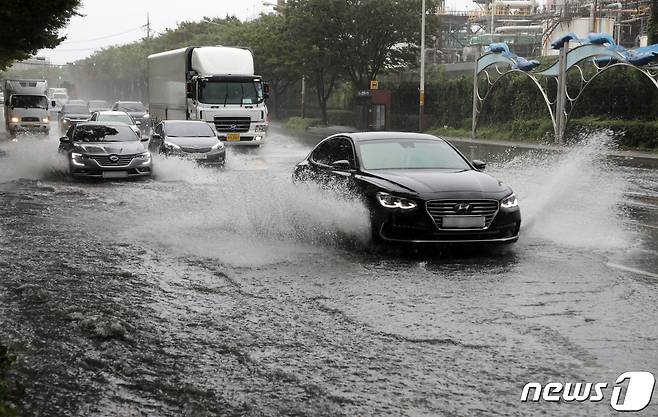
[(137, 114), (438, 183), (76, 116), (193, 142), (108, 148)]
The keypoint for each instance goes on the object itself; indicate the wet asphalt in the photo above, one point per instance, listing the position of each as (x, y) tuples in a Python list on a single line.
[(204, 292)]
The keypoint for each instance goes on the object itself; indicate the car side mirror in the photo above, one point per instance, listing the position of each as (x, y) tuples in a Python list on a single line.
[(53, 103), (138, 123), (156, 136), (64, 139), (477, 164), (341, 165), (266, 90), (144, 139)]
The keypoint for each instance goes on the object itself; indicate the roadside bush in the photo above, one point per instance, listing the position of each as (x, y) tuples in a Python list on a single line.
[(8, 395), (301, 125), (342, 117)]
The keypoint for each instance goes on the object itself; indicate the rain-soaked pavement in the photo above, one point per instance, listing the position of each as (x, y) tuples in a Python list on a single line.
[(203, 292)]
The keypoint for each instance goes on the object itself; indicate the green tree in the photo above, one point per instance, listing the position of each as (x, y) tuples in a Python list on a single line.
[(30, 25), (652, 27), (311, 24), (374, 35)]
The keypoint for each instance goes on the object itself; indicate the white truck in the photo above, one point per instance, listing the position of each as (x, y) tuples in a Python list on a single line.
[(26, 106), (215, 84)]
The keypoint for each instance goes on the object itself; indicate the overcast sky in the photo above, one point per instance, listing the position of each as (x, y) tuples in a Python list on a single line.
[(112, 22)]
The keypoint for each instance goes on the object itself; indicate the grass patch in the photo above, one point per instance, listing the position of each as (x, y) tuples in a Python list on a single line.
[(8, 392), (627, 134), (297, 124)]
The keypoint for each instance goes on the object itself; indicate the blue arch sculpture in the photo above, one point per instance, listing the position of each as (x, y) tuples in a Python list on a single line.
[(597, 48)]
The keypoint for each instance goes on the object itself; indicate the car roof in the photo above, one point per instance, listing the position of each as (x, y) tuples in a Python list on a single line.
[(185, 121), (101, 124), (111, 112), (128, 102), (366, 136)]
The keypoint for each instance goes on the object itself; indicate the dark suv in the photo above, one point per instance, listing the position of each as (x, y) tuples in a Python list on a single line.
[(137, 111)]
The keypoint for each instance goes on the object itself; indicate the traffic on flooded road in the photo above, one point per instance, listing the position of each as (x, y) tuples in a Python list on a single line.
[(328, 208)]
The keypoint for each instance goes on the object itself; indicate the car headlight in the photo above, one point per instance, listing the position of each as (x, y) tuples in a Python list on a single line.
[(509, 202), (45, 120), (171, 146), (66, 120), (144, 155), (393, 202), (147, 116), (218, 145), (261, 128), (15, 120), (76, 159)]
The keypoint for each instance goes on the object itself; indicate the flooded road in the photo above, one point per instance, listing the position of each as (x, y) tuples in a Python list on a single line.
[(203, 292)]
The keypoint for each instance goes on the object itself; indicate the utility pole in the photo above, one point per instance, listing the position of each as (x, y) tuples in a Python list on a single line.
[(421, 109), (303, 96), (148, 26)]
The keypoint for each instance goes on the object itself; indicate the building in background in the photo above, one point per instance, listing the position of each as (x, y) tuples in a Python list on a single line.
[(529, 26)]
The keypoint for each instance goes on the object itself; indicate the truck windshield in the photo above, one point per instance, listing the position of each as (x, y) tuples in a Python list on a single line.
[(29, 102), (230, 92)]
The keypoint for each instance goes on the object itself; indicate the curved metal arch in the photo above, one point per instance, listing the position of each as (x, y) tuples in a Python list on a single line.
[(493, 85), (579, 54), (601, 71)]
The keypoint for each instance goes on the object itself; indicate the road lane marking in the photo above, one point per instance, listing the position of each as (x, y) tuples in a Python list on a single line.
[(633, 270)]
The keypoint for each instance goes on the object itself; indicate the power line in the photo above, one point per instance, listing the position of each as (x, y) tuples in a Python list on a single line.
[(105, 37)]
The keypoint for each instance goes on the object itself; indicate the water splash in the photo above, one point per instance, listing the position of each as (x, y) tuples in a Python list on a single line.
[(571, 198), (31, 157)]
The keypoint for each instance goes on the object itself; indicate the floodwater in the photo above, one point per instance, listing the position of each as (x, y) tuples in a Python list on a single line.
[(205, 292)]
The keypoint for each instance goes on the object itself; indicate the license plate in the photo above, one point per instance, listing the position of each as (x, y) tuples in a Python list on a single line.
[(115, 174), (233, 137), (196, 155), (463, 222)]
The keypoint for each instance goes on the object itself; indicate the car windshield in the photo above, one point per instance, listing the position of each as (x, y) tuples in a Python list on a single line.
[(189, 129), (410, 154), (75, 108), (60, 96), (122, 118), (100, 133), (29, 102), (230, 92), (134, 107), (99, 104)]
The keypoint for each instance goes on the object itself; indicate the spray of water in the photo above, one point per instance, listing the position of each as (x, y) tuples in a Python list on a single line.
[(31, 157), (571, 198)]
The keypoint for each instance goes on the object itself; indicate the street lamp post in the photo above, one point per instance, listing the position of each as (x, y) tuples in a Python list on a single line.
[(422, 72)]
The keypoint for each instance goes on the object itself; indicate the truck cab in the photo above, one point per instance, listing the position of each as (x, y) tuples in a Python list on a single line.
[(26, 106), (233, 105)]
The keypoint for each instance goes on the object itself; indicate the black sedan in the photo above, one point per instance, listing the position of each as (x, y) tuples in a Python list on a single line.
[(419, 188), (188, 139), (72, 114), (105, 150)]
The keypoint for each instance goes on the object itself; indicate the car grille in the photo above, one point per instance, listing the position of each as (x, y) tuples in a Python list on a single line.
[(195, 150), (232, 124), (104, 160), (437, 209), (29, 119)]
